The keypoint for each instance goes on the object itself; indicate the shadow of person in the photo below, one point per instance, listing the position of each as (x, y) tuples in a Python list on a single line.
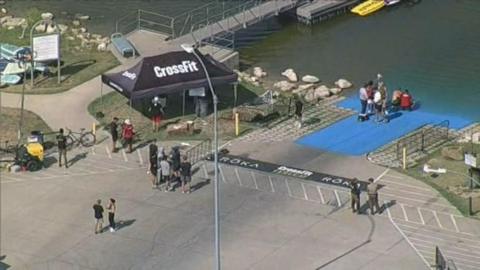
[(49, 161), (3, 266), (201, 184), (387, 204), (77, 158), (123, 223)]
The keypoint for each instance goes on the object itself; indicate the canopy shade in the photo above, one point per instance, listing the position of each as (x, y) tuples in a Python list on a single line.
[(168, 73)]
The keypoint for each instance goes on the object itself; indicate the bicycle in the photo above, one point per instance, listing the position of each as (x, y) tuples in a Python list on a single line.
[(86, 139)]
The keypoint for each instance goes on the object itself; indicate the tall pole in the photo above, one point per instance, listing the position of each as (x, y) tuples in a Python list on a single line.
[(20, 127), (216, 184)]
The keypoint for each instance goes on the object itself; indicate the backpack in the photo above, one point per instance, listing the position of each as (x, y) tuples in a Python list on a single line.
[(128, 132)]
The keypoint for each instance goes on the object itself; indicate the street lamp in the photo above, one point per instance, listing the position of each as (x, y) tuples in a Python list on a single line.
[(190, 49)]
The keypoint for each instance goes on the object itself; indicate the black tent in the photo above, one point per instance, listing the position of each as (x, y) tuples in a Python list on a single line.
[(173, 72)]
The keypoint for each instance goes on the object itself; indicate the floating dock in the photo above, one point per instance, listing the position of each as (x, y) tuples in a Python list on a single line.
[(319, 10)]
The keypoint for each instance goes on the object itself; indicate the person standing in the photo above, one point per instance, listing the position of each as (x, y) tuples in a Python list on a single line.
[(112, 208), (363, 96), (372, 191), (153, 164), (298, 112), (165, 173), (114, 133), (175, 158), (186, 172), (406, 101), (355, 195), (157, 113), (98, 214), (62, 148), (127, 133)]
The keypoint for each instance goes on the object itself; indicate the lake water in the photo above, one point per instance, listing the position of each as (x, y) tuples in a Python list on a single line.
[(431, 48)]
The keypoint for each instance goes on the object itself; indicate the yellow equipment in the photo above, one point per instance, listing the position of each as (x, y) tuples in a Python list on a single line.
[(35, 150), (368, 7)]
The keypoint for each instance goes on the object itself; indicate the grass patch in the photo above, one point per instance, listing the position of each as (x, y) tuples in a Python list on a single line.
[(453, 185), (78, 64), (9, 123), (117, 105)]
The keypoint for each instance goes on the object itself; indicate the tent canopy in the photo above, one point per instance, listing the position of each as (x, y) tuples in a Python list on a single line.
[(173, 72)]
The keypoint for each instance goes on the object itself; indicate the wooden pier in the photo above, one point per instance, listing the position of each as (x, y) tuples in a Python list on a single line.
[(320, 10)]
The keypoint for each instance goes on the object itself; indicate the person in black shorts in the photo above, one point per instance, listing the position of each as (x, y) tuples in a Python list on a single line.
[(153, 165), (175, 159), (62, 148), (114, 132), (186, 174)]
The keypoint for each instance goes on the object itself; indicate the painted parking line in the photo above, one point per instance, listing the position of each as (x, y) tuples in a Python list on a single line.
[(221, 174), (424, 202), (108, 152), (454, 223), (339, 202), (124, 154), (304, 192), (406, 185), (404, 212), (322, 199), (205, 172), (421, 216), (254, 179), (426, 231), (271, 183), (381, 175), (238, 177), (288, 188), (437, 219), (140, 158)]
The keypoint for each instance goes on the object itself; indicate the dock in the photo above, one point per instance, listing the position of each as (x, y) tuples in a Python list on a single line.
[(321, 10)]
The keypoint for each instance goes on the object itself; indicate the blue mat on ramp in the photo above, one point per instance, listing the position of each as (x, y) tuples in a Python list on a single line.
[(351, 137)]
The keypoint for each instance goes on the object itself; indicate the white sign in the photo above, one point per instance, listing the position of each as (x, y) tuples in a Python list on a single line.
[(197, 92), (46, 47), (185, 67), (132, 76), (471, 160)]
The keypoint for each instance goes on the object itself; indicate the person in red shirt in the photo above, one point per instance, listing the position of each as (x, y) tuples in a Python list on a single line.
[(128, 133), (406, 101)]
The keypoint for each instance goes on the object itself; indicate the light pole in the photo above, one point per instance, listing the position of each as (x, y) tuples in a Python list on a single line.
[(190, 49)]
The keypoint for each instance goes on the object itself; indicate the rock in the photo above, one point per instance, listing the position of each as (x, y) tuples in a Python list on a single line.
[(342, 83), (322, 92), (310, 79), (96, 36), (3, 10), (14, 22), (47, 16), (11, 27), (253, 79), (335, 90), (453, 152), (102, 47), (291, 75), (476, 138), (83, 30), (284, 85), (182, 128), (305, 86), (82, 17), (258, 72), (310, 96), (75, 31), (70, 38), (51, 29), (4, 19), (76, 22), (249, 113), (63, 28), (40, 28)]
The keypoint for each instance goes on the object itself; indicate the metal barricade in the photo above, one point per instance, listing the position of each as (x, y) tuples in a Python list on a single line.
[(199, 151)]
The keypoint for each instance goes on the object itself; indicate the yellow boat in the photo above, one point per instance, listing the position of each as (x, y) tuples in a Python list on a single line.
[(368, 7)]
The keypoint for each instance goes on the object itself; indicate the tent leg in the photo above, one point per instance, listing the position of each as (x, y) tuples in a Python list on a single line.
[(130, 110), (101, 97), (235, 95), (183, 107)]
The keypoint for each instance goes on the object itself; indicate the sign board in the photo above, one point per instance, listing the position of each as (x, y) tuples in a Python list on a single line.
[(287, 171), (471, 160), (197, 92), (46, 47)]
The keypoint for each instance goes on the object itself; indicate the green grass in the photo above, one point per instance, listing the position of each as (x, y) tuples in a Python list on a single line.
[(454, 187), (10, 122), (117, 105), (77, 65)]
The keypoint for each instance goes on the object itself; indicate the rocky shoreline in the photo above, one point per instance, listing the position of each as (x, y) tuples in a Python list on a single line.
[(74, 30)]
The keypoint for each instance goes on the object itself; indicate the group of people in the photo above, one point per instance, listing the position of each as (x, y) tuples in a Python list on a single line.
[(169, 170), (372, 191), (374, 100), (98, 215), (127, 134)]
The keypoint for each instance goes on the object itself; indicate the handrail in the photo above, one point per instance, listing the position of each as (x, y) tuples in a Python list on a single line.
[(199, 151)]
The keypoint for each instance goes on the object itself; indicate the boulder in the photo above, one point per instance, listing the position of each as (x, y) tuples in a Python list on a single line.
[(76, 22), (82, 17), (63, 28), (96, 36), (70, 38), (284, 85), (310, 79), (322, 92), (253, 79), (181, 128), (476, 138), (51, 29), (3, 10), (453, 152), (303, 87), (11, 27), (249, 113), (343, 83), (83, 30), (40, 28), (310, 96), (47, 16), (291, 75), (14, 22), (258, 72), (102, 47), (5, 19), (335, 90)]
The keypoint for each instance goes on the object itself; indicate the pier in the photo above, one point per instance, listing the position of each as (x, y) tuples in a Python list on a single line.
[(320, 10)]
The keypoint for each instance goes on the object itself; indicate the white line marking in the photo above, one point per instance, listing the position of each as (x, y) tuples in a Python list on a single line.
[(321, 195), (415, 200), (395, 176), (254, 179), (454, 222), (404, 212), (477, 242), (140, 158), (421, 216), (124, 154), (288, 188), (381, 175), (93, 150), (338, 198), (436, 218), (406, 238), (238, 177), (464, 251), (108, 152), (271, 183), (205, 172), (406, 185), (304, 192), (221, 174)]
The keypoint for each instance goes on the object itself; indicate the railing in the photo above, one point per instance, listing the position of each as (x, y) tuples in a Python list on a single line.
[(199, 151), (441, 263), (420, 140), (142, 19)]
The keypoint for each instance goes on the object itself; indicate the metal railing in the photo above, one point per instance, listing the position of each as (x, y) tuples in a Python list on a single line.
[(424, 137), (199, 151)]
